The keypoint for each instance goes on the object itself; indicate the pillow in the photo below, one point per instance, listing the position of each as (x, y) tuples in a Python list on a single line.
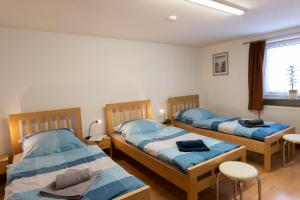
[(194, 114), (36, 133), (49, 142), (139, 126), (175, 115)]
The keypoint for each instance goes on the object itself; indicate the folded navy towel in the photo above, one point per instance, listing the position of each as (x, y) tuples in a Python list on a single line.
[(192, 145), (257, 124), (254, 121)]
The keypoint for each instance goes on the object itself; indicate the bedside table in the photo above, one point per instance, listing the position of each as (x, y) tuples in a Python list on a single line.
[(104, 144), (3, 163)]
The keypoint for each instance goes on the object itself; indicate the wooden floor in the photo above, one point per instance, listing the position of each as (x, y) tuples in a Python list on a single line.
[(280, 184)]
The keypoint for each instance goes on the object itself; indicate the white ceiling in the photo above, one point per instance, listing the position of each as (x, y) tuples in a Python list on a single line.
[(146, 20)]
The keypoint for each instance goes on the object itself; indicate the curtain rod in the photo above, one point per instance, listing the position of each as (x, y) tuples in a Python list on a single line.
[(275, 37)]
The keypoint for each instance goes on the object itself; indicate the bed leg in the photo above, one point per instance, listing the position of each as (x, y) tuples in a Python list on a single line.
[(267, 158), (192, 196), (192, 193), (244, 157)]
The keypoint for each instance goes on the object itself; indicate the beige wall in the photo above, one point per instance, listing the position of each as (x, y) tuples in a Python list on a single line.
[(228, 95), (40, 71)]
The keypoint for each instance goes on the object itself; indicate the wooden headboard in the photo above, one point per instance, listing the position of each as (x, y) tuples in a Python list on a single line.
[(28, 123), (118, 113), (176, 104)]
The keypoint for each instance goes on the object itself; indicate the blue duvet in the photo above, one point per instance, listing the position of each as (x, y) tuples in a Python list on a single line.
[(26, 177), (231, 125), (162, 145)]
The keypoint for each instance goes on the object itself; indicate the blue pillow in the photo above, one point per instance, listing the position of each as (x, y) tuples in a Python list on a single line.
[(139, 126), (194, 114), (50, 142)]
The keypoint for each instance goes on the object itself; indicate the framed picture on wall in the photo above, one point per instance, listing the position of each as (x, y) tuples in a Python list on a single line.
[(220, 64)]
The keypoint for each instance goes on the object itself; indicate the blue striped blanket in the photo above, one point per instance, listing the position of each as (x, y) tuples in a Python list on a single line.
[(26, 177), (231, 125), (162, 145)]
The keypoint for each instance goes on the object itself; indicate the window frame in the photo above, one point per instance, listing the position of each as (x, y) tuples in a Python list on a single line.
[(277, 99)]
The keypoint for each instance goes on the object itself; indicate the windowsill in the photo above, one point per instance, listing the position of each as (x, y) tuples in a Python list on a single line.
[(281, 101)]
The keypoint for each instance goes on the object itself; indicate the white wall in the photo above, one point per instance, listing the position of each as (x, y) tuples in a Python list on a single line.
[(40, 71), (228, 95)]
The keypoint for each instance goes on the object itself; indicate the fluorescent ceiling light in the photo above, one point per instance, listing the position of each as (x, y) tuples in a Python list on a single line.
[(219, 6)]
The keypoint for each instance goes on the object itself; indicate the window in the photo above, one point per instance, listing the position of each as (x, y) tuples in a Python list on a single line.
[(279, 56)]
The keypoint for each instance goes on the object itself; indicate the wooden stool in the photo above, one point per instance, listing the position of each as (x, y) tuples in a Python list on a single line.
[(238, 172), (289, 139)]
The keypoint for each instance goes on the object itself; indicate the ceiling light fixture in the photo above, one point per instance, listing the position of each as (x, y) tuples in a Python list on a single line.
[(219, 6)]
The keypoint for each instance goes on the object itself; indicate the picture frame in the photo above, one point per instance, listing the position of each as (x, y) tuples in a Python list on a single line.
[(220, 64)]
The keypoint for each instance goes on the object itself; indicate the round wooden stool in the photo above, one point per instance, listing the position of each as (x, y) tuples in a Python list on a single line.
[(238, 172), (289, 139)]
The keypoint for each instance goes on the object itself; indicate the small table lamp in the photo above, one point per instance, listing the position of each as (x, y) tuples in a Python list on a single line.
[(98, 121), (166, 121)]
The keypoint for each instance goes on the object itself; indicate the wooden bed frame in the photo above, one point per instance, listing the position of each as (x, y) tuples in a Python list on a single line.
[(271, 145), (197, 178), (28, 123)]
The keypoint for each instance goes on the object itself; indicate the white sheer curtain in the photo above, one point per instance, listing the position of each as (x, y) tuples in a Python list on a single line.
[(278, 57)]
